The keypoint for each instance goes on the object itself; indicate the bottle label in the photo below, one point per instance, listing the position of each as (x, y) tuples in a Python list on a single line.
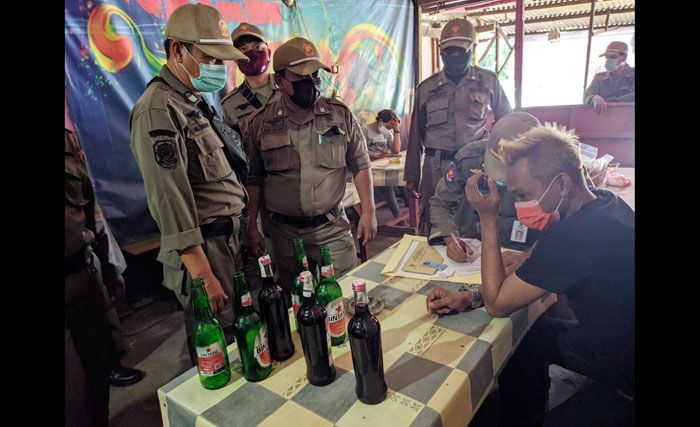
[(246, 299), (305, 262), (336, 317), (327, 271), (210, 359), (307, 287), (296, 303), (262, 350), (328, 340)]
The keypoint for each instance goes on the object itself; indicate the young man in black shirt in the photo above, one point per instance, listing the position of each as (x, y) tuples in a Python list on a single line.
[(586, 252)]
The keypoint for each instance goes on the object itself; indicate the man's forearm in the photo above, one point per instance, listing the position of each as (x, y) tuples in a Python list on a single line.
[(363, 183), (195, 261), (396, 146), (492, 271), (254, 197)]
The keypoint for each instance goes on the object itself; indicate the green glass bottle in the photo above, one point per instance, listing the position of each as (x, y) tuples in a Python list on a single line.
[(302, 265), (210, 345), (251, 334), (330, 296)]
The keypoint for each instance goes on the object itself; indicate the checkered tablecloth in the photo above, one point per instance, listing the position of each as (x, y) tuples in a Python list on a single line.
[(386, 174), (438, 368)]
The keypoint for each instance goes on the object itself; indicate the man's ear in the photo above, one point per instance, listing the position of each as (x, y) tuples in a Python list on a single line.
[(565, 184)]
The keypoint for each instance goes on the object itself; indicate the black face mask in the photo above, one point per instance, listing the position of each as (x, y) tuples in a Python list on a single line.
[(306, 92)]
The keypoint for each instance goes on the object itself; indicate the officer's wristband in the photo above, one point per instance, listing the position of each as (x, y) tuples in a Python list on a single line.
[(476, 294)]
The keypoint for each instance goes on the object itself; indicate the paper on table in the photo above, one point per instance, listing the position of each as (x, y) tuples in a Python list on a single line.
[(394, 267), (460, 268)]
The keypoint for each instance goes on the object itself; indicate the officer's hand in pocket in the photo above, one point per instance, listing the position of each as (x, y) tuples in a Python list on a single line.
[(254, 241)]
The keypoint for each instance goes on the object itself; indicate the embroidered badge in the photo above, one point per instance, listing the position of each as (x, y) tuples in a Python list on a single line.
[(451, 173), (165, 153), (224, 28)]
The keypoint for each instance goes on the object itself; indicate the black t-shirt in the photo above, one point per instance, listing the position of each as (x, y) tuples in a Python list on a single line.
[(589, 257)]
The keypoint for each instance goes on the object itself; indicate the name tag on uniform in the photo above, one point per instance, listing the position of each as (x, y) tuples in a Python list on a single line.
[(519, 232)]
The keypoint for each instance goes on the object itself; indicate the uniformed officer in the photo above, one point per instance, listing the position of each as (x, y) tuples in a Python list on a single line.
[(449, 209), (300, 147), (614, 85), (449, 111), (257, 88), (191, 171), (89, 354)]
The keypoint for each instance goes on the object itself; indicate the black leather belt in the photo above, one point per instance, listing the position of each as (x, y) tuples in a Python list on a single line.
[(445, 154), (222, 226), (305, 221)]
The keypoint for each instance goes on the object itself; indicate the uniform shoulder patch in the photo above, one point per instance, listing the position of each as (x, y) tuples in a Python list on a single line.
[(166, 153), (451, 173)]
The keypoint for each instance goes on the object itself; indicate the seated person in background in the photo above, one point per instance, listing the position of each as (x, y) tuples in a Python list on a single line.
[(451, 212), (586, 251), (614, 85), (383, 139)]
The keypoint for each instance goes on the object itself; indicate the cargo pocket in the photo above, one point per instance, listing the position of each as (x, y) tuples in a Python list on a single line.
[(331, 150), (436, 111), (478, 103), (276, 151), (210, 155)]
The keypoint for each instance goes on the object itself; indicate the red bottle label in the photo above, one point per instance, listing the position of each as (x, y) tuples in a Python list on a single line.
[(210, 359), (246, 300), (262, 350), (296, 303), (336, 317), (327, 271), (328, 340)]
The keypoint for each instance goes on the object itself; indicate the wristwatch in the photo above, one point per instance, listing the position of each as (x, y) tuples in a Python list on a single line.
[(476, 294)]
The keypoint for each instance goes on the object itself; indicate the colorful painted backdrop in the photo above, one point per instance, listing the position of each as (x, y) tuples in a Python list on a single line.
[(113, 48)]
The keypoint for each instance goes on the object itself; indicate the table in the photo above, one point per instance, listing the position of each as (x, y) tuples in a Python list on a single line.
[(387, 174), (438, 369), (626, 193)]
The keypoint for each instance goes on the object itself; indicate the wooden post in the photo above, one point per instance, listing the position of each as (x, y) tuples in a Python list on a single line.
[(519, 44), (496, 34), (588, 49)]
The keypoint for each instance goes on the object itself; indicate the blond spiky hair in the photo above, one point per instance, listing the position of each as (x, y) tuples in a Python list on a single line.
[(549, 149)]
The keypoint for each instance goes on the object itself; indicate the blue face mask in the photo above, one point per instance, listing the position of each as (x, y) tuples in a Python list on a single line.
[(611, 64), (211, 78), (456, 65)]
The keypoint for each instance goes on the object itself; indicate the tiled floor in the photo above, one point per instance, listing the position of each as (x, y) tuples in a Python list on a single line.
[(155, 338)]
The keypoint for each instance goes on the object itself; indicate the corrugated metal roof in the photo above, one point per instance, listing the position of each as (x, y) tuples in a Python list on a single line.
[(540, 15)]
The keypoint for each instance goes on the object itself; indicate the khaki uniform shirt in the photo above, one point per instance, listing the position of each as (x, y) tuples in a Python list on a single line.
[(612, 88), (301, 160), (80, 199), (448, 116), (237, 107), (188, 180)]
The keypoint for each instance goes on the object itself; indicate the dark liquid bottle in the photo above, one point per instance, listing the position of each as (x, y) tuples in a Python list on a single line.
[(251, 334), (302, 265), (315, 339), (275, 314), (366, 346), (212, 356)]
